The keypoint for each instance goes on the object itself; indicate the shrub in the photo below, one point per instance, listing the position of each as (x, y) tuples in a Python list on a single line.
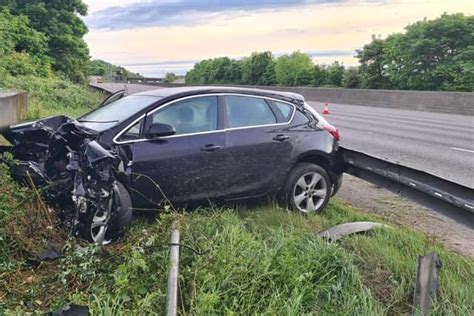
[(53, 96)]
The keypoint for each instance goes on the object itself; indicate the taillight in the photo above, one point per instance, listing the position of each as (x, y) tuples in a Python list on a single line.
[(333, 131), (322, 123)]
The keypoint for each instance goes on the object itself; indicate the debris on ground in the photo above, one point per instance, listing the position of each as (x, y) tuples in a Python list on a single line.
[(51, 253), (71, 310), (337, 232)]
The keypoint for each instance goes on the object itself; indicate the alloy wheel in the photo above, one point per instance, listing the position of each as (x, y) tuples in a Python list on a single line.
[(100, 222), (310, 192)]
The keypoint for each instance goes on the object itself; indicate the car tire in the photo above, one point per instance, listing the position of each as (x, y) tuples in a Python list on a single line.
[(119, 219), (307, 188)]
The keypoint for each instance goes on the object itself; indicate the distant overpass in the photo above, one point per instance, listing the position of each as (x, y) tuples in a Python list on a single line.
[(147, 80)]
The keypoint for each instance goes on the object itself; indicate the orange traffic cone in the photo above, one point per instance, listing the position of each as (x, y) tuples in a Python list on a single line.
[(326, 109)]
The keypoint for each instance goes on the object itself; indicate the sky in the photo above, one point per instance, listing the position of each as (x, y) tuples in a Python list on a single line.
[(153, 37)]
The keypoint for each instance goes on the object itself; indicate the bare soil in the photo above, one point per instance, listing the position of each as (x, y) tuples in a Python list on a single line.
[(372, 199)]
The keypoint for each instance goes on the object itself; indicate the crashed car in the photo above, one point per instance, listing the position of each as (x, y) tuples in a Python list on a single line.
[(179, 146)]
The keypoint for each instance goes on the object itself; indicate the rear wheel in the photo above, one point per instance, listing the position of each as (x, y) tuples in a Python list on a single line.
[(308, 188), (107, 225)]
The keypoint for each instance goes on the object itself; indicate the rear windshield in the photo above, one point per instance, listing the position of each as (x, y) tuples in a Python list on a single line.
[(115, 112)]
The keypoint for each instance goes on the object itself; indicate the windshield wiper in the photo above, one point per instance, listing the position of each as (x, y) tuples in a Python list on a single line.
[(87, 121)]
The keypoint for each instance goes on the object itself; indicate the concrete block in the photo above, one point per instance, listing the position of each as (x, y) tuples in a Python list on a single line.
[(13, 106)]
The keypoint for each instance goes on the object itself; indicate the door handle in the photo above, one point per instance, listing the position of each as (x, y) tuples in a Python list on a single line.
[(281, 137), (211, 148)]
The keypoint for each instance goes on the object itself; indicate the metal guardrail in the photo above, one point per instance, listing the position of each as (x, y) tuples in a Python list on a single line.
[(417, 185)]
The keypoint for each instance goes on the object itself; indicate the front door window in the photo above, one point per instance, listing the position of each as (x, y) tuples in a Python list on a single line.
[(195, 115)]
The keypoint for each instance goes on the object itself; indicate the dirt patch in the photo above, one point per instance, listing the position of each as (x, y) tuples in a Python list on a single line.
[(394, 208)]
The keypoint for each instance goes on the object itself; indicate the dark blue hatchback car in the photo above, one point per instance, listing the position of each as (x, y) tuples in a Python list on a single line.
[(192, 144)]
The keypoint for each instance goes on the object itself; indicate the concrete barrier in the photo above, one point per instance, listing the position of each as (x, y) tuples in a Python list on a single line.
[(13, 107), (430, 101)]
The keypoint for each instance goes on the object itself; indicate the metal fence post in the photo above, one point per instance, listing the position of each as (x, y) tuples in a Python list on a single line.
[(172, 292)]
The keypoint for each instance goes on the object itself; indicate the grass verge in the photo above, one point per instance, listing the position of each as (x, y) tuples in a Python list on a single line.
[(240, 260)]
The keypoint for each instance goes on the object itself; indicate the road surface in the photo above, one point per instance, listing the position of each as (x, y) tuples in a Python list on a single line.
[(437, 143)]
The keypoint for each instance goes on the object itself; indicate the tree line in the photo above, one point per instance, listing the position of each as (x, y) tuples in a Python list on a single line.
[(430, 55), (102, 68), (44, 38), (41, 36)]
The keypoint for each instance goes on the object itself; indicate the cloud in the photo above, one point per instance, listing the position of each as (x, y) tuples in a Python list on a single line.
[(183, 12), (331, 53), (164, 63)]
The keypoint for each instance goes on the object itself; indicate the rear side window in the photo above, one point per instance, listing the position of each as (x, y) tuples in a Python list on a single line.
[(285, 109), (248, 111)]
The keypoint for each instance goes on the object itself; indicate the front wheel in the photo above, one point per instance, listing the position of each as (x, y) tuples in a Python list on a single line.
[(106, 225), (308, 188)]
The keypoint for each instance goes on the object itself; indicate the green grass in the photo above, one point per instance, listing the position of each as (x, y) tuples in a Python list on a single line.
[(53, 96), (258, 260), (239, 260)]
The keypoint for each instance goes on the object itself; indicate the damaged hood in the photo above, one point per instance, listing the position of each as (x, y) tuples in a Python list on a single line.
[(42, 131), (65, 158)]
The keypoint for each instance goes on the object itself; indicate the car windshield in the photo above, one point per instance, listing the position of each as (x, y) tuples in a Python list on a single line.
[(115, 112)]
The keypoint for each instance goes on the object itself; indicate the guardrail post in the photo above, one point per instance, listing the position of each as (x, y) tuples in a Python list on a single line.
[(172, 292), (426, 286)]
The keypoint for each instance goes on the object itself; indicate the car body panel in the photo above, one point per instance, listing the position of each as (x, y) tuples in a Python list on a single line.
[(180, 167), (257, 163)]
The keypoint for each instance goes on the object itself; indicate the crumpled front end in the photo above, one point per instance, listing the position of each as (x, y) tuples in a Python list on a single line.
[(75, 173)]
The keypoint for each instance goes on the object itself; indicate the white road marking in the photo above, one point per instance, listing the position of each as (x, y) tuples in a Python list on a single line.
[(461, 149)]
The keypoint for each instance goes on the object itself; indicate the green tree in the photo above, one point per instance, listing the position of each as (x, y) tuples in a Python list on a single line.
[(351, 78), (320, 76), (372, 65), (220, 70), (335, 74), (464, 80), (170, 77), (259, 69), (295, 69), (16, 35), (432, 55), (22, 50), (99, 67), (59, 20), (197, 75)]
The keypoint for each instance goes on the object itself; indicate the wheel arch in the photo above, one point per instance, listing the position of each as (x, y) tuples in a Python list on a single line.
[(316, 157)]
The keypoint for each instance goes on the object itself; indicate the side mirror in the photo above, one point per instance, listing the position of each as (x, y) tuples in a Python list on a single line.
[(159, 130)]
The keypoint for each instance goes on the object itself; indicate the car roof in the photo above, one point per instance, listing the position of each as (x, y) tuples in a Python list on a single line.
[(197, 90)]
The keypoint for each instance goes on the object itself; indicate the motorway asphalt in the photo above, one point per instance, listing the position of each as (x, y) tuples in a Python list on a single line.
[(437, 143)]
